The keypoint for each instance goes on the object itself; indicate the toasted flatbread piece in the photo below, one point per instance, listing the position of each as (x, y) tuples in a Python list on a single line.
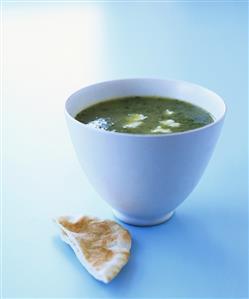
[(102, 246)]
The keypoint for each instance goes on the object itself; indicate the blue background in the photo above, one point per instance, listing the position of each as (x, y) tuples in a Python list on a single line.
[(51, 50)]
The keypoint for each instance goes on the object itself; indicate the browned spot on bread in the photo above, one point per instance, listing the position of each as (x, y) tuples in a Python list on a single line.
[(126, 236), (95, 255), (126, 254), (76, 227)]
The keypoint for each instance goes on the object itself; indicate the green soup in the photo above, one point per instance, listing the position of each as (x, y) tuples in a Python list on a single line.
[(144, 115)]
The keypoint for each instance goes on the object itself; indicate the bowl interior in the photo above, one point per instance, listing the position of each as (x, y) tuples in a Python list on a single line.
[(181, 90)]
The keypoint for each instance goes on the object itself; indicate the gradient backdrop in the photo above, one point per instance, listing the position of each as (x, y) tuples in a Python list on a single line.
[(53, 49)]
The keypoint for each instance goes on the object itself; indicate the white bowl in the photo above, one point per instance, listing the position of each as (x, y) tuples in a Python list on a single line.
[(144, 177)]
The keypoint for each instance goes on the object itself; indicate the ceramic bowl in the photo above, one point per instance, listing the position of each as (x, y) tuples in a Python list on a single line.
[(144, 178)]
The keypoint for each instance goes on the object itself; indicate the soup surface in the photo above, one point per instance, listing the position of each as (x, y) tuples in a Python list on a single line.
[(145, 115)]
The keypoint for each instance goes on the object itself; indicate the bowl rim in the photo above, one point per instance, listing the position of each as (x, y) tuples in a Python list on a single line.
[(161, 135)]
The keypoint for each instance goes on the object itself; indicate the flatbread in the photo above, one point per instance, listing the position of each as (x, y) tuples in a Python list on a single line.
[(102, 246)]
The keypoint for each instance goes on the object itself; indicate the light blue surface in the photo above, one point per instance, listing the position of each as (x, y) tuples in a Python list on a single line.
[(51, 50)]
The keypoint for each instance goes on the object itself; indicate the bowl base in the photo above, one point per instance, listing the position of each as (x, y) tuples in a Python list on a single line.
[(140, 222)]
